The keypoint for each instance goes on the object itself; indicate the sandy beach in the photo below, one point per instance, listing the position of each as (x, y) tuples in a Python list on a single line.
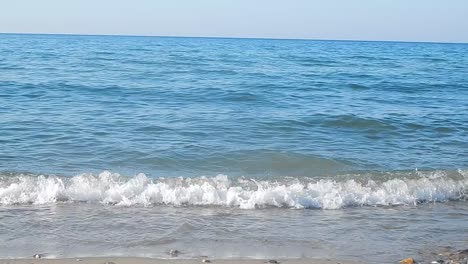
[(131, 260)]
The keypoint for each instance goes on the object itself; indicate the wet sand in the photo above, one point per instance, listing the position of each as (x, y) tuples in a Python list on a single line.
[(131, 260)]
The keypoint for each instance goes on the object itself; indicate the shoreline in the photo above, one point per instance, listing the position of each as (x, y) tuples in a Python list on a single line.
[(139, 260)]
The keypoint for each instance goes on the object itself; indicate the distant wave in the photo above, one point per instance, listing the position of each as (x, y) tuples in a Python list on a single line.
[(355, 122), (288, 192)]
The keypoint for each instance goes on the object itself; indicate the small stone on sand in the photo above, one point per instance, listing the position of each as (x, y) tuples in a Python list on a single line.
[(408, 261)]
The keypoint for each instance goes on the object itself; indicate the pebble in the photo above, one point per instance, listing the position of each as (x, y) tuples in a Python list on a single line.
[(174, 252), (408, 261)]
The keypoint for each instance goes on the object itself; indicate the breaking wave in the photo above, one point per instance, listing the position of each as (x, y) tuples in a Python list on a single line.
[(300, 193)]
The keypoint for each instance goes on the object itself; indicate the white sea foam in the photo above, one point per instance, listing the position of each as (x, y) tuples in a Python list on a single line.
[(113, 189)]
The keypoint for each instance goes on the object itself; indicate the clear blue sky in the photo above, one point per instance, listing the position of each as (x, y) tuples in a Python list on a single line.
[(407, 20)]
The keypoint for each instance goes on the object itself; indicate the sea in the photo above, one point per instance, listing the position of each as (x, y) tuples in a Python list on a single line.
[(232, 148)]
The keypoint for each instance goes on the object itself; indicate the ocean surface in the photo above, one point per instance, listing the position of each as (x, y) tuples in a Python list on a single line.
[(232, 148)]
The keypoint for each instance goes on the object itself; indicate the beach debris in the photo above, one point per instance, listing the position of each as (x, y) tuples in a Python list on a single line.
[(408, 261), (174, 252), (452, 257), (206, 260), (463, 253), (38, 256), (272, 261)]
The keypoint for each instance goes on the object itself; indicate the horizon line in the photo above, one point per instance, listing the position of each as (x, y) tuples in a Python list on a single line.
[(226, 37)]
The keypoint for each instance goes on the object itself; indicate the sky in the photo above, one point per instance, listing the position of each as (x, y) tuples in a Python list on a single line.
[(397, 20)]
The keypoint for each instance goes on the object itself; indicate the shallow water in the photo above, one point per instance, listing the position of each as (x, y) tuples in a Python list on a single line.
[(220, 147), (370, 235)]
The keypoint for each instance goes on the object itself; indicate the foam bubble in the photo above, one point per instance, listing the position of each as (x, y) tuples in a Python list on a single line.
[(113, 189)]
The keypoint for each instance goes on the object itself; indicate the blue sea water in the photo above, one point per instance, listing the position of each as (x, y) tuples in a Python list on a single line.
[(189, 132)]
